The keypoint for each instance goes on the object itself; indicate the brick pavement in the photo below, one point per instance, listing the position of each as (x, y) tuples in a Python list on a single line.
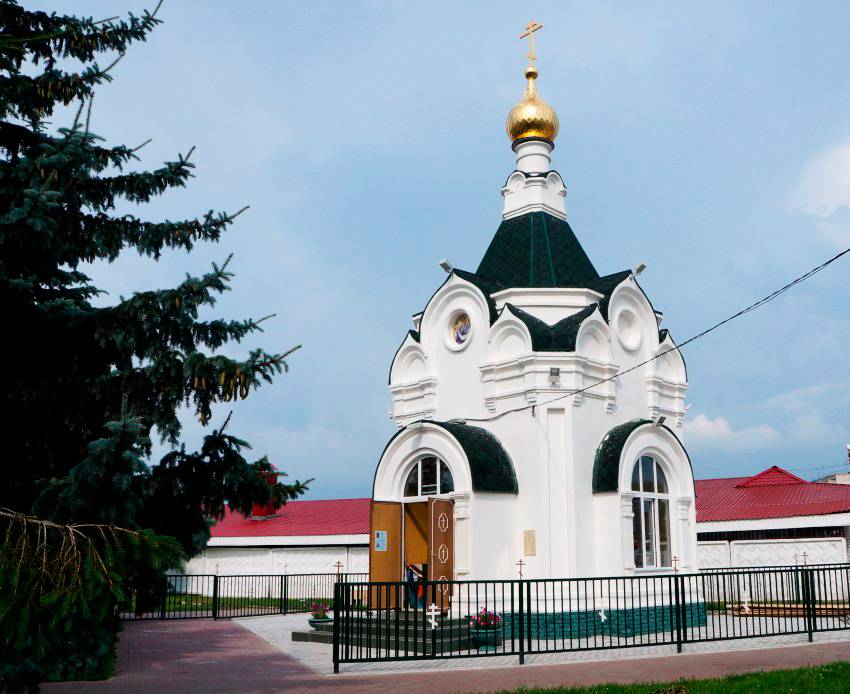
[(207, 656), (191, 656)]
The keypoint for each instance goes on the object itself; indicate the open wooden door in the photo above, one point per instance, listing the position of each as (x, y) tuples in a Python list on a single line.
[(441, 548), (385, 552)]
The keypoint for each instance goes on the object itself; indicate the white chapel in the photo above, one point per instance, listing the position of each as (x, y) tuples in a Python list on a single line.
[(539, 429)]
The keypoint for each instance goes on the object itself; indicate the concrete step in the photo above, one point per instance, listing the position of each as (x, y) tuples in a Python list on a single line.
[(390, 631), (443, 645), (313, 636), (404, 621)]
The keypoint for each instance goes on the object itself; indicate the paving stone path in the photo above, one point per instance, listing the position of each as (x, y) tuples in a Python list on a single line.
[(222, 656)]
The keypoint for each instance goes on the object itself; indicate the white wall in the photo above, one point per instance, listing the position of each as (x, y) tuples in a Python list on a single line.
[(279, 560), (552, 447), (718, 554), (713, 555)]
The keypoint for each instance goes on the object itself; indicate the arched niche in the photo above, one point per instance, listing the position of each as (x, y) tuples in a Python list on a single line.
[(669, 365), (594, 339), (410, 363), (509, 338)]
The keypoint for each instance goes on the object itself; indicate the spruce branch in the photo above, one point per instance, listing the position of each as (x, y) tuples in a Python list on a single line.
[(111, 65), (88, 117), (77, 118), (138, 147), (221, 429)]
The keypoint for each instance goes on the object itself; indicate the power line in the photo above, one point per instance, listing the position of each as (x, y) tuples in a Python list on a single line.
[(752, 307), (818, 468)]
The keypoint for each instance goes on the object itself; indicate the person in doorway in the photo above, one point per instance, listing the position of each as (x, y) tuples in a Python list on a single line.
[(415, 589)]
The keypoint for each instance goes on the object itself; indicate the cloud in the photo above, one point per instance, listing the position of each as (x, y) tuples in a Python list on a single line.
[(719, 433), (296, 450), (803, 398), (823, 192), (810, 409), (802, 416), (812, 426)]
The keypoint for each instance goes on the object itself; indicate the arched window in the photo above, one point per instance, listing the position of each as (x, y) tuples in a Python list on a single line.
[(651, 508), (429, 477)]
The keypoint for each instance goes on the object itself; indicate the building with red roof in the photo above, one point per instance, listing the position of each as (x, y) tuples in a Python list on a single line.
[(771, 518), (330, 521), (301, 537)]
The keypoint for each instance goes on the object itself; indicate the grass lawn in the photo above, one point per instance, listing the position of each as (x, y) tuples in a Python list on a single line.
[(196, 602), (821, 679), (189, 602)]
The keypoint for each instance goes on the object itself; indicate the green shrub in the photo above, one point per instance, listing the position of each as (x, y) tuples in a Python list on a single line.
[(60, 588)]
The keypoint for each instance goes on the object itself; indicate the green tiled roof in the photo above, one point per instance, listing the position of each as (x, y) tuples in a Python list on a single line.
[(606, 464), (537, 250), (560, 337), (489, 464)]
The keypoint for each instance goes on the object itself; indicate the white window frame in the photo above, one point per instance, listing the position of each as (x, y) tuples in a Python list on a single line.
[(654, 497), (418, 467)]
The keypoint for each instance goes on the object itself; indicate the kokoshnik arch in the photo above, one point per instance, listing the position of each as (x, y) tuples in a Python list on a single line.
[(488, 466)]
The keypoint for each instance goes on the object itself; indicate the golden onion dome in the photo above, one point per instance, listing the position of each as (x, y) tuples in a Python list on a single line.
[(532, 117)]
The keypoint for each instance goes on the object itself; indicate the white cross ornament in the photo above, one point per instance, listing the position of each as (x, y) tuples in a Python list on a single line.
[(745, 608), (433, 613), (602, 616)]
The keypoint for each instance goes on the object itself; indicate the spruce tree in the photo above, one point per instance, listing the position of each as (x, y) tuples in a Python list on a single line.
[(104, 487), (73, 363), (84, 515)]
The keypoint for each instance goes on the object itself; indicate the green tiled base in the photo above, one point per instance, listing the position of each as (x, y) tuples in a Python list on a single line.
[(618, 622)]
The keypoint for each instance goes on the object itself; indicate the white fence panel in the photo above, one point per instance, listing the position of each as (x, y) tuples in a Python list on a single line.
[(713, 554), (788, 552)]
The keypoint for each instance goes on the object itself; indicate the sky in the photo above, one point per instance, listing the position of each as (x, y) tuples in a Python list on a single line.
[(709, 140)]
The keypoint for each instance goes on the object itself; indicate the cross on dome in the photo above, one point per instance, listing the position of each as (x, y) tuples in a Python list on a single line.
[(532, 117), (529, 32)]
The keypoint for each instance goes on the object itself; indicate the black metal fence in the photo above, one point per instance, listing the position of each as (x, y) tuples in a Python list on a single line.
[(458, 619), (738, 569), (216, 597)]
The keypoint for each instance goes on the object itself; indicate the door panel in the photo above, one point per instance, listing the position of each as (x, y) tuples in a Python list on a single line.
[(385, 552), (416, 533), (441, 549)]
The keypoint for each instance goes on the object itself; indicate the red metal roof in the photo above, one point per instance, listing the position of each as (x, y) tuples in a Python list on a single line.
[(329, 517), (773, 493)]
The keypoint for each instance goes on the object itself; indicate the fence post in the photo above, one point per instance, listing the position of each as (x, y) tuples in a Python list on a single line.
[(521, 623), (809, 601), (215, 598), (282, 600), (683, 610), (338, 610), (528, 612), (676, 611), (162, 599)]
